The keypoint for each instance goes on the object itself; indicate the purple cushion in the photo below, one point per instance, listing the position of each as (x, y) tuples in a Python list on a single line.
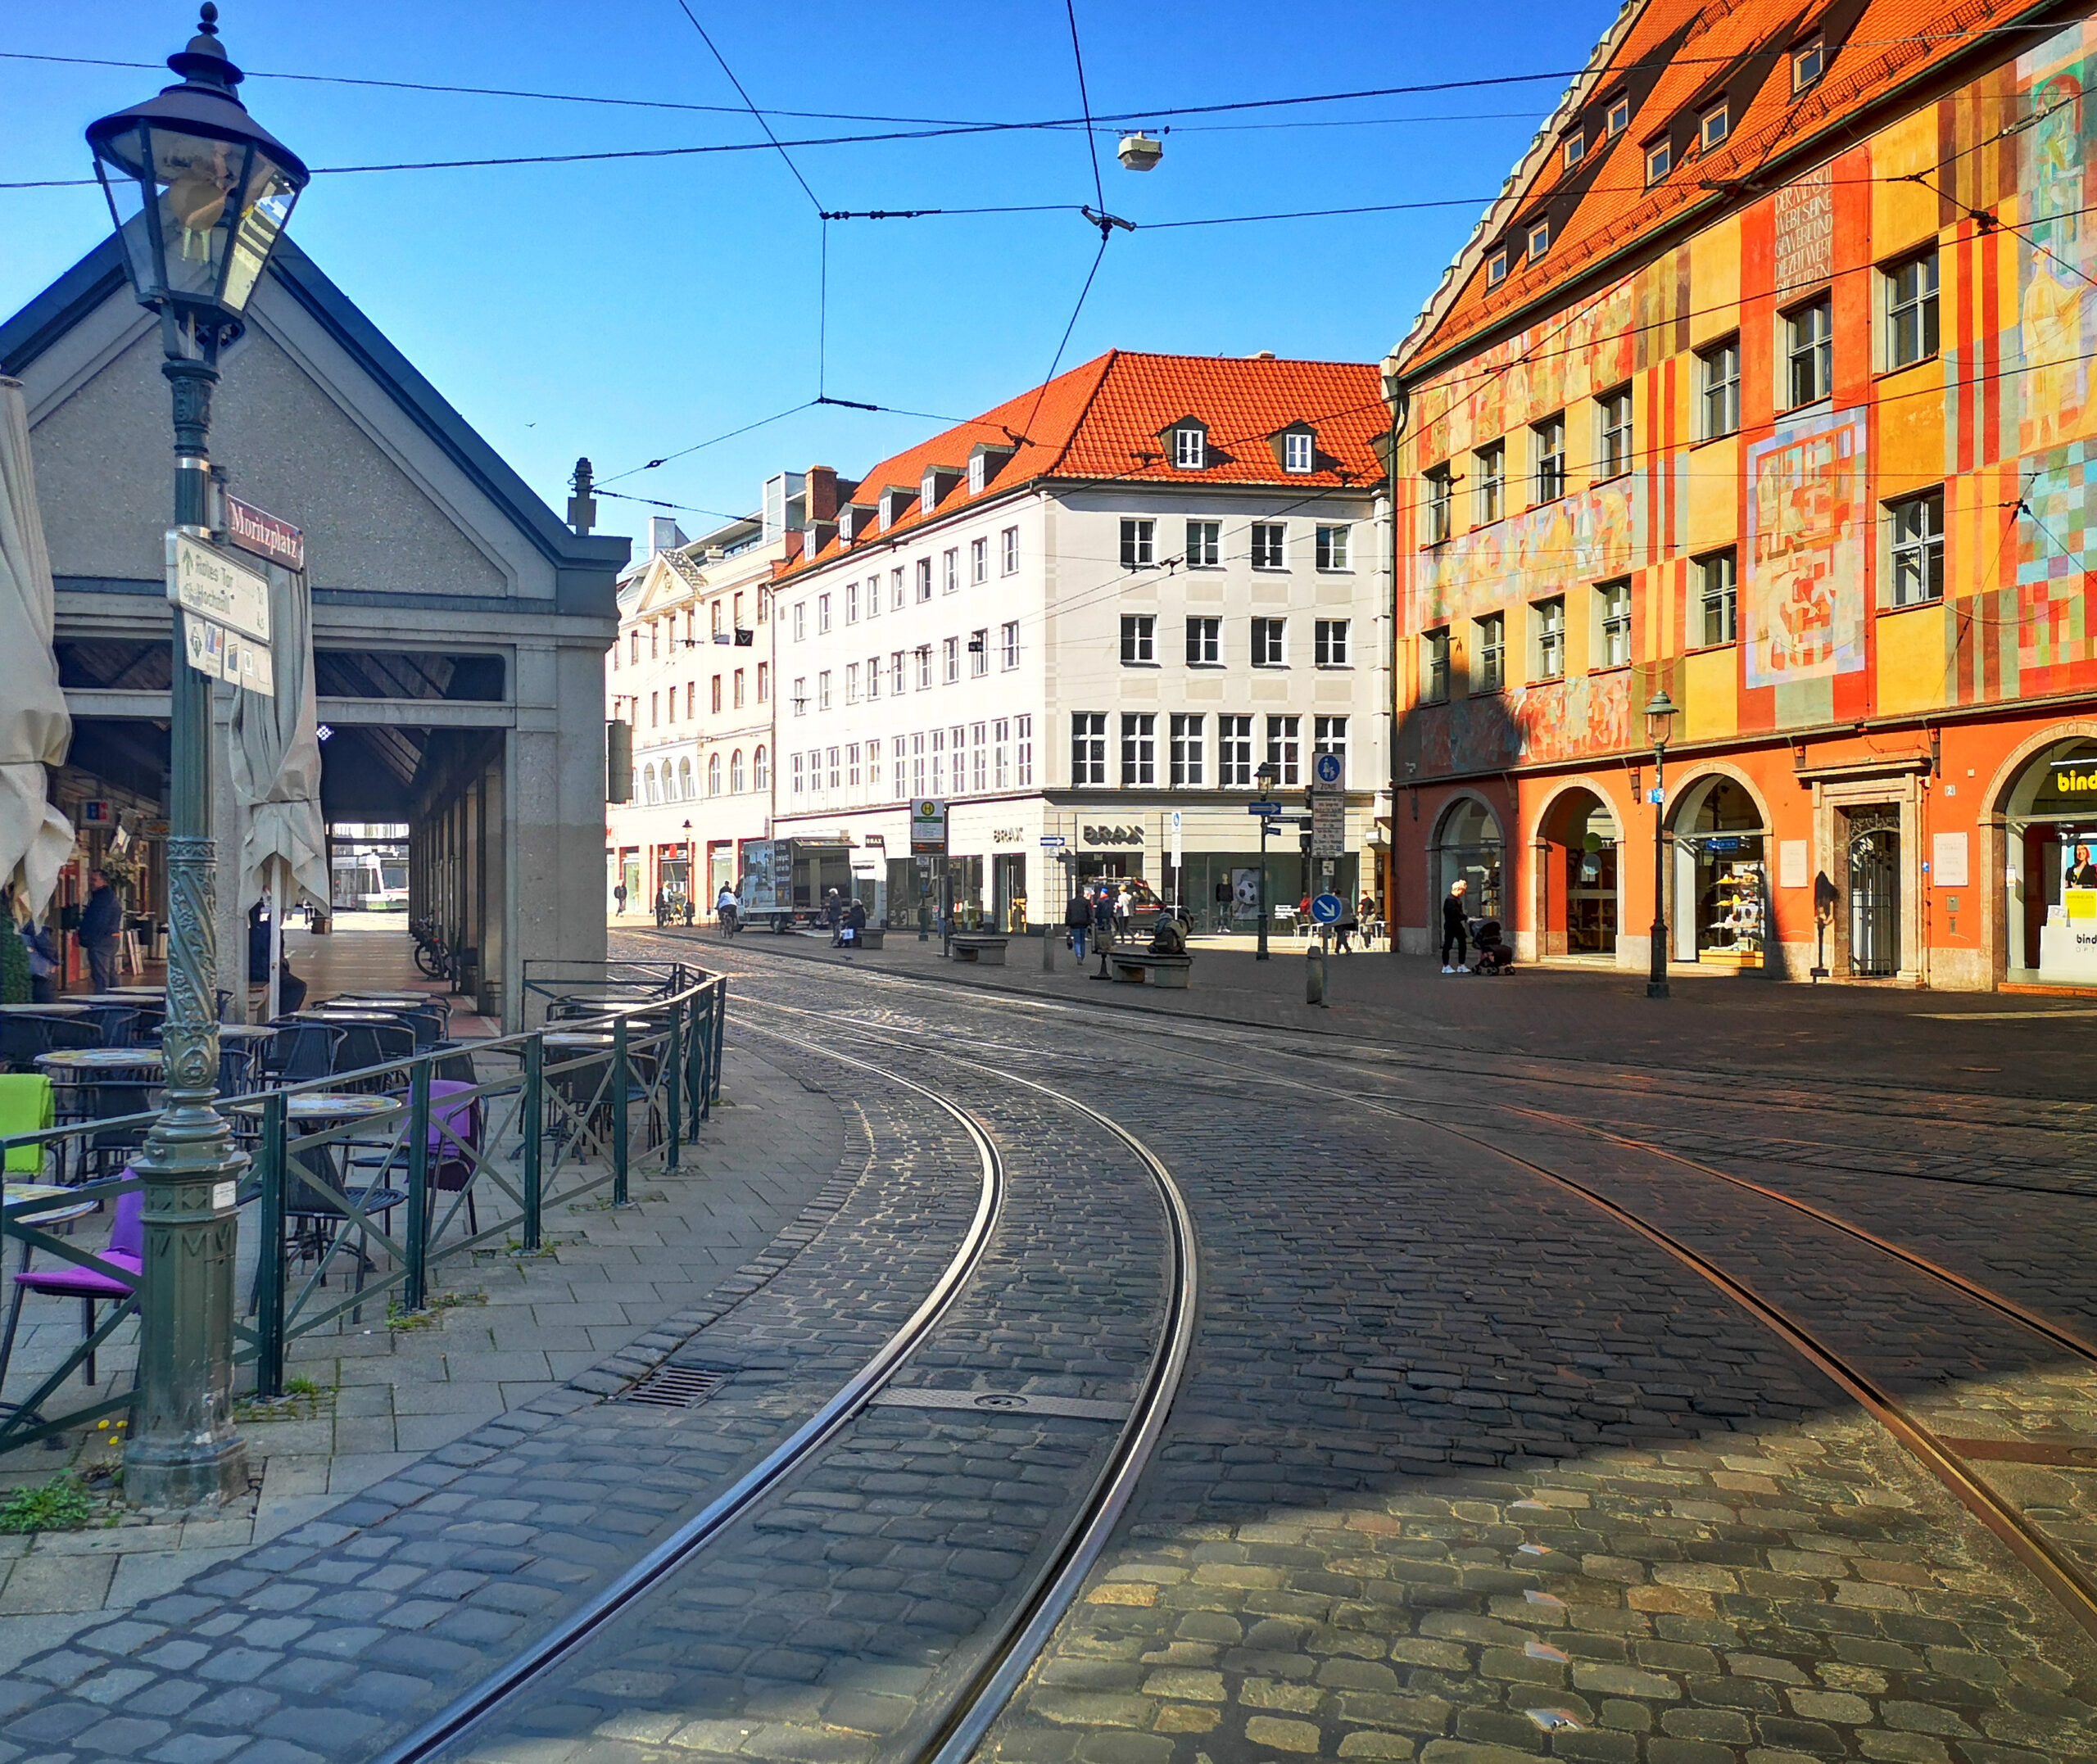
[(68, 1281)]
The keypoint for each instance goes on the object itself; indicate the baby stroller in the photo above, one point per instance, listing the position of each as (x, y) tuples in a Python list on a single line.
[(1491, 953)]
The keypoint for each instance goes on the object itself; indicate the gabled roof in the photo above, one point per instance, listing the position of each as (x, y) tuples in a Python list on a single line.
[(1101, 423), (1673, 60)]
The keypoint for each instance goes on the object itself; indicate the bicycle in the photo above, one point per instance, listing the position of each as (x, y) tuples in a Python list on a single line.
[(431, 955)]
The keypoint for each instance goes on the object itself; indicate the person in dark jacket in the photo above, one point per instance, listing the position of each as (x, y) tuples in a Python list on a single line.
[(1102, 919), (291, 989), (1077, 920), (99, 926), (1456, 931)]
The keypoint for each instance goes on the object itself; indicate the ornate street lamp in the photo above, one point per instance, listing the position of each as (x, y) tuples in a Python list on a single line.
[(1269, 775), (1659, 723), (199, 195)]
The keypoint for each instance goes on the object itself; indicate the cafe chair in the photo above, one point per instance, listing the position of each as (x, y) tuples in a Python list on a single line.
[(126, 1251), (26, 1106), (300, 1052)]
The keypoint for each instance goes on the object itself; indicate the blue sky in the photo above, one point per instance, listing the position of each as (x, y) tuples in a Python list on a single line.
[(628, 309)]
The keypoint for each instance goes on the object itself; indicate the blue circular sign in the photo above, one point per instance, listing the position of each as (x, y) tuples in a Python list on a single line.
[(1326, 909), (1327, 767)]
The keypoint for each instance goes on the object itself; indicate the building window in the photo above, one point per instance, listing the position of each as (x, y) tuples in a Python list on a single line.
[(938, 762), (822, 690), (1613, 607), (1008, 551), (764, 682), (797, 774), (1489, 465), (1329, 736), (924, 666), (1441, 504), (655, 640), (1617, 118), (1712, 127), (736, 773), (1234, 752), (714, 700), (739, 688), (1575, 149), (895, 673), (1492, 651), (1718, 585), (873, 676), (950, 659), (1616, 438), (800, 620), (899, 766), (1204, 545), (1435, 652), (895, 597), (917, 764), (1138, 748), (979, 758), (1139, 545), (873, 597), (852, 683), (822, 614), (1008, 643), (1139, 639), (851, 603), (873, 766), (764, 606), (1270, 642), (1719, 395), (1296, 452), (1496, 267), (713, 775), (1911, 311), (1284, 749), (1204, 642), (1088, 747), (852, 763), (1660, 160), (1918, 548), (1809, 351), (979, 558), (1332, 544), (1190, 448), (1023, 730), (761, 769), (1548, 448), (950, 571), (1551, 638), (1270, 545), (1187, 748), (833, 772), (1807, 59), (1328, 643), (1001, 736), (978, 653), (1539, 239)]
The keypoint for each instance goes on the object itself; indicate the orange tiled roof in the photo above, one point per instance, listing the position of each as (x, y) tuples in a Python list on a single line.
[(1102, 421), (1675, 59)]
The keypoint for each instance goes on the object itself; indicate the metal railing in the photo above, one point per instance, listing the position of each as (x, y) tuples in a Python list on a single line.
[(623, 1066)]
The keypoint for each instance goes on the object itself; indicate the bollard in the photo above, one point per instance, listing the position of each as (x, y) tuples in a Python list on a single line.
[(1314, 976), (1049, 949), (532, 1126)]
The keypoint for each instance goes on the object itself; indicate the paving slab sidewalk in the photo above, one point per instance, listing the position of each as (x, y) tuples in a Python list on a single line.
[(518, 1328)]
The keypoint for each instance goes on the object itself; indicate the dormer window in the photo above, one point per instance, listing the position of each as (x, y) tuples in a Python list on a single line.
[(1296, 451), (1539, 239), (1617, 118), (1576, 149), (1496, 267), (1660, 160), (1190, 447), (1808, 61), (928, 493), (976, 475), (1714, 126)]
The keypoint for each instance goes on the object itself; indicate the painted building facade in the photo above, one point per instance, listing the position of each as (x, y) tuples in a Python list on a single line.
[(1767, 385)]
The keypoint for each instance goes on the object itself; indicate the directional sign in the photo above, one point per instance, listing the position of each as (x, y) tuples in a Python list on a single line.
[(208, 582), (1051, 842), (1326, 909), (1326, 772), (1263, 808)]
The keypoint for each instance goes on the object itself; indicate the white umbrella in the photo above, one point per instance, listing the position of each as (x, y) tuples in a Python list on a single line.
[(276, 772), (35, 730)]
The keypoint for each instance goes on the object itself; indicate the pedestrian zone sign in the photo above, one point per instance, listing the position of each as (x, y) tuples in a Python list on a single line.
[(1325, 771)]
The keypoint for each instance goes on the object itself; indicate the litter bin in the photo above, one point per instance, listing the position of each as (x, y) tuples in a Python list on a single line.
[(466, 970)]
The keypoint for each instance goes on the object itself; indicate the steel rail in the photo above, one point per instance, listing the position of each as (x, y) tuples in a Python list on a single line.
[(676, 1550)]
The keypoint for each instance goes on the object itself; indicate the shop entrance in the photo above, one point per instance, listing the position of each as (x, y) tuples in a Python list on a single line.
[(1721, 913), (1467, 845), (1009, 891), (1579, 838), (2051, 914), (1874, 852)]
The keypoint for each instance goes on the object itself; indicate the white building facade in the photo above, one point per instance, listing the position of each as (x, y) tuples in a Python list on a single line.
[(1086, 622)]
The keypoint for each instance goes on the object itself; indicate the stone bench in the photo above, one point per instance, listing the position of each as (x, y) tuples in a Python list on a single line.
[(989, 952), (1135, 966)]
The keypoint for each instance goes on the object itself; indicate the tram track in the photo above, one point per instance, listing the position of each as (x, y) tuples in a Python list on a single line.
[(1954, 1460), (947, 1731)]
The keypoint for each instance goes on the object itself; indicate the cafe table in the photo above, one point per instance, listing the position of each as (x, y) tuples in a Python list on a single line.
[(324, 1014), (69, 1008)]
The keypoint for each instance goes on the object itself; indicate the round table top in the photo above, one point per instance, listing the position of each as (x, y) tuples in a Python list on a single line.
[(67, 1010), (132, 999), (102, 1059), (230, 1031), (381, 998), (578, 1038), (17, 1192), (135, 991), (346, 1016), (328, 1106)]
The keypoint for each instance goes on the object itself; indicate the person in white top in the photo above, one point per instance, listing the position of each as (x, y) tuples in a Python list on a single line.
[(727, 907)]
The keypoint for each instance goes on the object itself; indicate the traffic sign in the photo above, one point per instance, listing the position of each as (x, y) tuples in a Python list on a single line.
[(1326, 771), (1326, 909), (1327, 825), (1052, 841), (1263, 808)]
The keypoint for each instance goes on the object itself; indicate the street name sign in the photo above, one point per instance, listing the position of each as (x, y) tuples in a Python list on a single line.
[(255, 530)]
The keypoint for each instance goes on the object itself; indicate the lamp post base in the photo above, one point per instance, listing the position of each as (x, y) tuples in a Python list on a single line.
[(211, 1473)]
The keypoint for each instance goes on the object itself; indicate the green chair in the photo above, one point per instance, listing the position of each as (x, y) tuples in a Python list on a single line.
[(25, 1107)]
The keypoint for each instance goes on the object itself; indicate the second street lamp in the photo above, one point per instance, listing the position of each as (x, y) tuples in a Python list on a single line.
[(199, 195), (1268, 774), (1660, 720)]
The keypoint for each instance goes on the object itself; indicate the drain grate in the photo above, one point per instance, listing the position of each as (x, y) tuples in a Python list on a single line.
[(678, 1387)]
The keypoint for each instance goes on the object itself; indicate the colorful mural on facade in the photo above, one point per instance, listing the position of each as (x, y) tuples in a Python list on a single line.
[(1808, 519), (1559, 720)]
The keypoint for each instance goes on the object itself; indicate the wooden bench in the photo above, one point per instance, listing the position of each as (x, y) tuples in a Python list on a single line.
[(1134, 966), (989, 952)]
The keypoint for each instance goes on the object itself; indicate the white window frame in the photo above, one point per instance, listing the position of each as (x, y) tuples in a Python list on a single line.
[(1139, 750), (1809, 62), (800, 694), (1332, 549), (1613, 623), (1088, 749), (1140, 640), (1717, 391), (1549, 624), (1008, 551), (1918, 310), (822, 614), (1538, 240), (1190, 448), (1491, 643), (950, 569), (1660, 160), (979, 652), (1718, 594), (1270, 642), (1329, 643), (1329, 736), (1434, 658), (1496, 267), (1613, 458), (1270, 544), (1489, 470), (1617, 118), (1574, 148), (1547, 453), (1809, 349), (1204, 640), (1713, 126), (1138, 543), (1285, 748), (950, 660), (823, 690), (1234, 752), (1297, 452), (1204, 545), (800, 621), (1915, 552), (979, 558), (1441, 504), (924, 579), (1008, 643), (1188, 740)]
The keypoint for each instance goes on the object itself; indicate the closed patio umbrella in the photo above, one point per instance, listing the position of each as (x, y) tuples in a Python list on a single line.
[(276, 771), (35, 730)]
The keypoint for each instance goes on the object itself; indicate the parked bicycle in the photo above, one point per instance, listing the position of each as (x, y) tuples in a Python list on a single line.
[(432, 956)]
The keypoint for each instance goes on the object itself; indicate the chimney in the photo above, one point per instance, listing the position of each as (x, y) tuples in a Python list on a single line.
[(820, 487)]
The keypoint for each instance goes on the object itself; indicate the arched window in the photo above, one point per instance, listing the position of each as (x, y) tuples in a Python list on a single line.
[(760, 771), (713, 775), (1467, 845), (684, 780), (648, 785), (736, 772)]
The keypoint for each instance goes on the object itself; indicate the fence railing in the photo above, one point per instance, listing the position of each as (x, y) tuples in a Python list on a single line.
[(375, 1178)]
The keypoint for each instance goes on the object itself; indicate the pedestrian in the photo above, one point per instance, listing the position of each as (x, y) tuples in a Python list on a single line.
[(1077, 921), (1348, 926), (1366, 915), (1102, 921), (43, 964), (291, 989), (1121, 910), (1455, 932), (662, 908), (833, 915), (618, 899), (99, 926), (726, 906), (855, 922)]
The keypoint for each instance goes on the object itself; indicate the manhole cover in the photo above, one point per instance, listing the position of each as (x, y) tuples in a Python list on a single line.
[(678, 1387)]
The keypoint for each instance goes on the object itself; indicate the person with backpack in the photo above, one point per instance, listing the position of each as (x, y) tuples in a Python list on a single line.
[(1077, 920)]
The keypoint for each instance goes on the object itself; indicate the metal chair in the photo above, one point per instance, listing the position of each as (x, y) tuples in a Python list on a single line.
[(300, 1052), (119, 1024), (126, 1250)]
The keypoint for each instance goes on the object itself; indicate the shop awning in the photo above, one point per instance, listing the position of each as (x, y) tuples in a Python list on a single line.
[(35, 730)]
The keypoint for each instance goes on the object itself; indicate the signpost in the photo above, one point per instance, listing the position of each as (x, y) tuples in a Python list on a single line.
[(225, 614), (928, 827), (1326, 909), (1054, 841), (1270, 811), (1327, 805)]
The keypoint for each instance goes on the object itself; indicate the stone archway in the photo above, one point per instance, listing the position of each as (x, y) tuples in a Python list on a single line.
[(1578, 875), (1720, 907)]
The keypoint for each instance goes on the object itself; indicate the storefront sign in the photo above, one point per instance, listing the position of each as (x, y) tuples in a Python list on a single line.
[(98, 815), (265, 536), (2075, 779), (1008, 836), (1112, 836), (928, 827)]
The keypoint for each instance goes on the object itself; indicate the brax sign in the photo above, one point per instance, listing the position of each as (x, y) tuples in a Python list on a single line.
[(264, 535), (1113, 835)]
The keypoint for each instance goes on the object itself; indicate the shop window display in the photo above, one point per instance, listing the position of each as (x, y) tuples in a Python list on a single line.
[(1722, 885), (2053, 876)]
